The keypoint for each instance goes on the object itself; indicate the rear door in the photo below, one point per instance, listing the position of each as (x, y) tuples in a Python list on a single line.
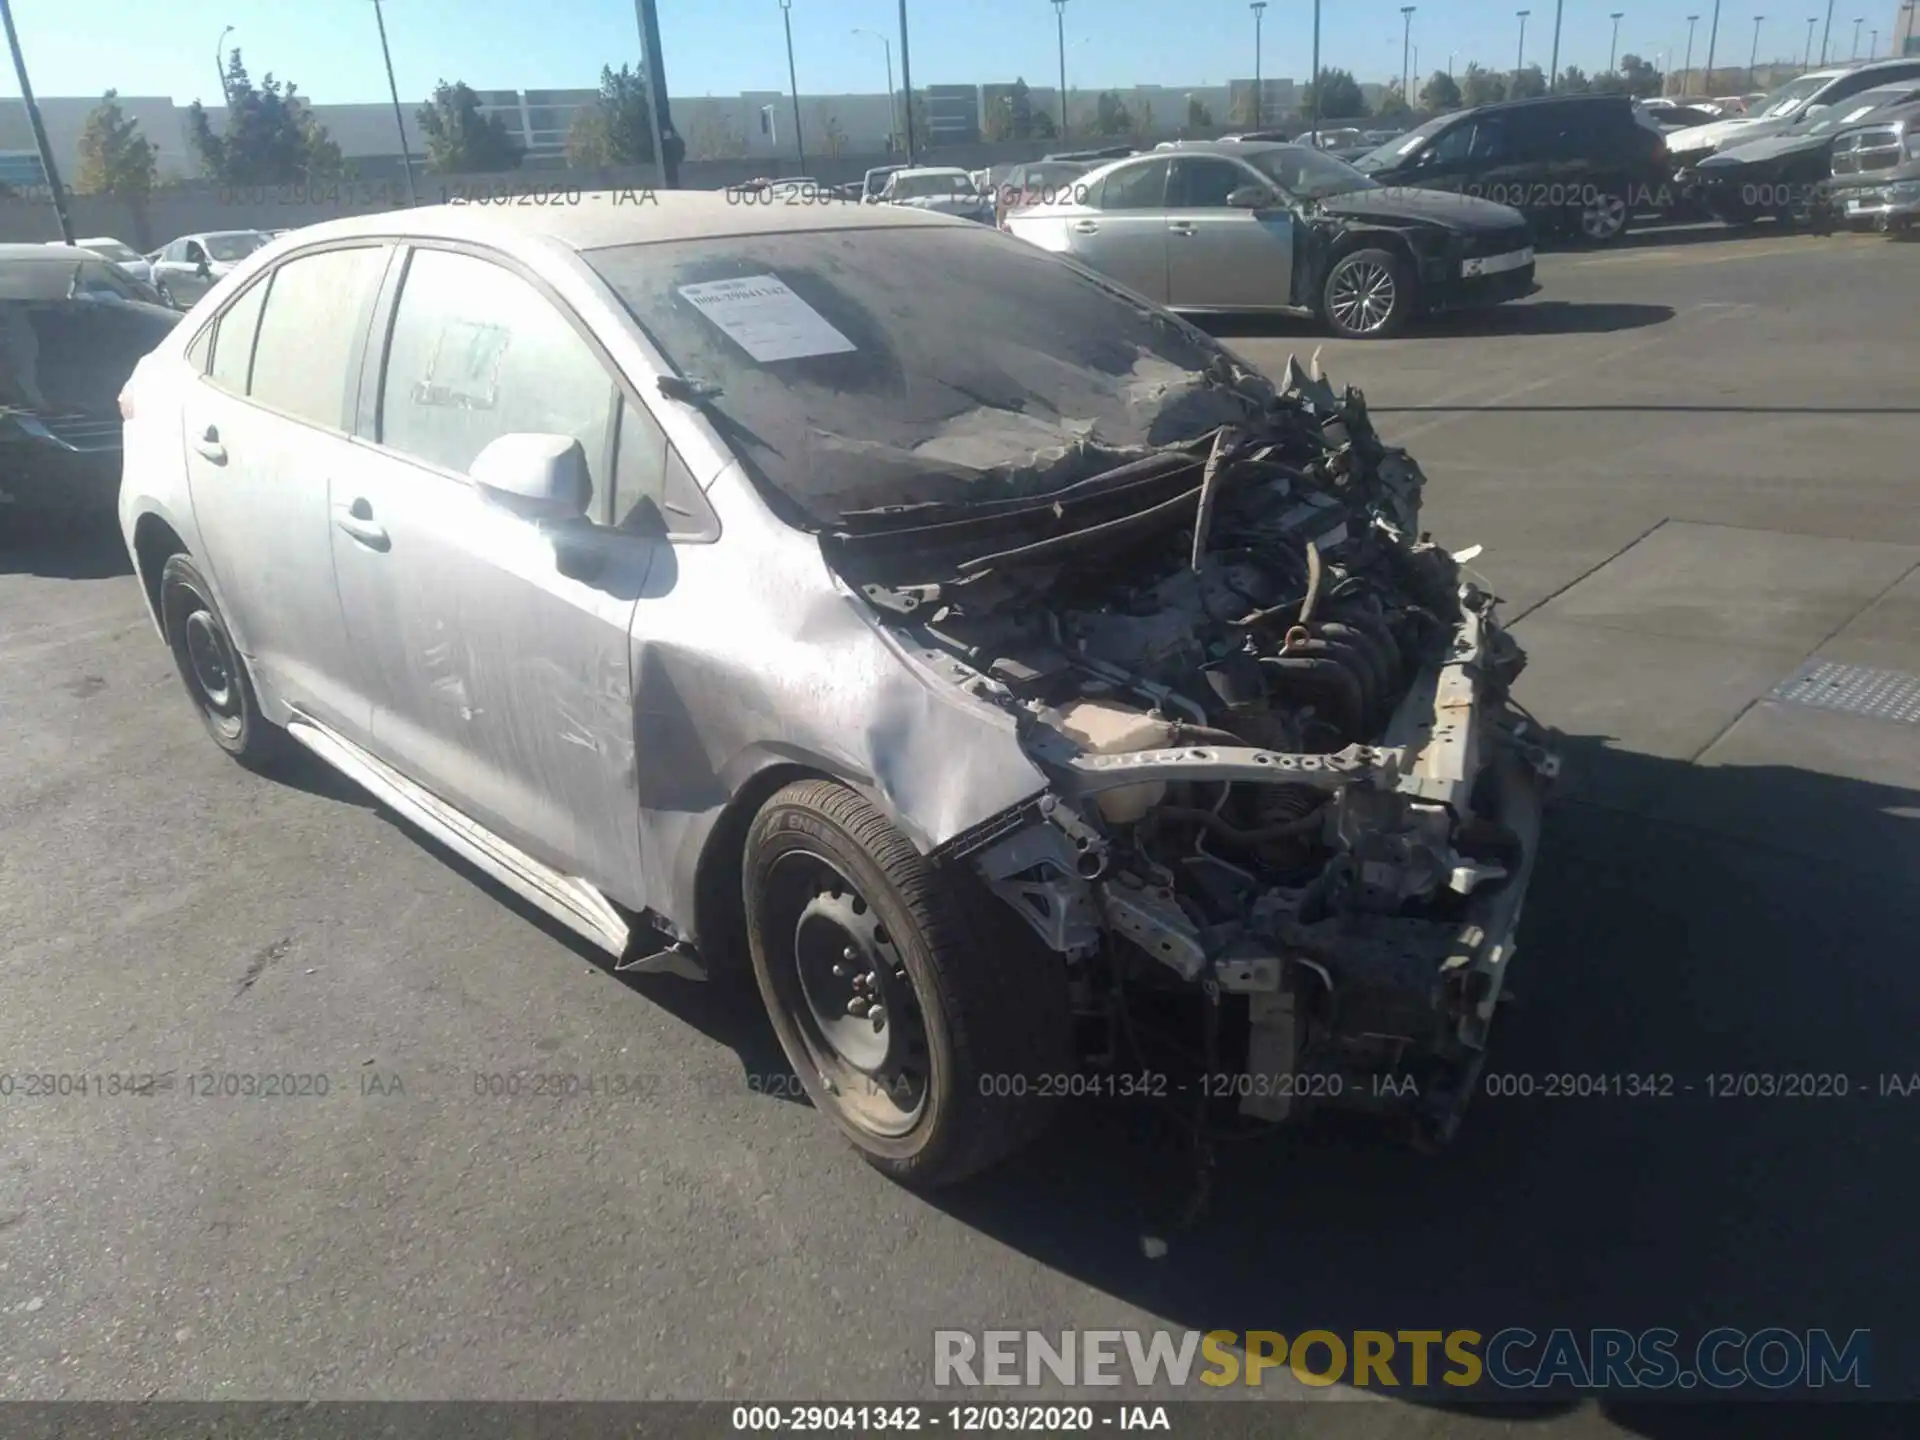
[(266, 430), (1220, 258), (1122, 231), (504, 686)]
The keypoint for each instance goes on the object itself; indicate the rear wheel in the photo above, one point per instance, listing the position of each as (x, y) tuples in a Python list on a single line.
[(917, 1012), (1368, 295), (211, 668), (1604, 219)]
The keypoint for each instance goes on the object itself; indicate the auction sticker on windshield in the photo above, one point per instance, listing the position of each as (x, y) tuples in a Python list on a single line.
[(765, 318)]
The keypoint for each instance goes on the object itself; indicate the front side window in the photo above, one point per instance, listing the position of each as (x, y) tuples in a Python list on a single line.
[(316, 311), (1137, 187), (229, 248), (195, 255), (1205, 184), (233, 340), (477, 352)]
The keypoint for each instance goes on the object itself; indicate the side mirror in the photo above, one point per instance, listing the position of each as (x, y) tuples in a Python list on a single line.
[(539, 477), (1253, 197)]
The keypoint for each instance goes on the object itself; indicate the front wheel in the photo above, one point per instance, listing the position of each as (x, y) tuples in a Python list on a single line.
[(1604, 219), (921, 1017), (1368, 295)]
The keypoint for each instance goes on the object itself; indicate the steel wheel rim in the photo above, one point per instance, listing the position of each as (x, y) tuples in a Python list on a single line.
[(216, 675), (842, 980), (1603, 220), (1363, 296)]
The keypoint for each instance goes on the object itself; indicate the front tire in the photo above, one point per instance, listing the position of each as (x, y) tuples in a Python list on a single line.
[(1368, 295), (211, 668), (919, 1014), (1605, 220)]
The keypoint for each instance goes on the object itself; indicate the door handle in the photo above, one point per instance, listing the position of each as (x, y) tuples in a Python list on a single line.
[(357, 520), (1181, 227), (1084, 227), (210, 447)]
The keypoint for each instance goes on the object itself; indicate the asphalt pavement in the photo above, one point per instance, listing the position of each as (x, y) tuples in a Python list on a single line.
[(1694, 464)]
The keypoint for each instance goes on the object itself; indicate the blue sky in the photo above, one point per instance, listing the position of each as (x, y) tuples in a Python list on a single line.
[(331, 47)]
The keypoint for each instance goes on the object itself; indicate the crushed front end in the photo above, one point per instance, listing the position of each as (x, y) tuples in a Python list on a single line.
[(1294, 810)]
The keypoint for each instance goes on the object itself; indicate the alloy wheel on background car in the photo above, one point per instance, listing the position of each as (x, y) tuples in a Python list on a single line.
[(1362, 295), (1605, 219)]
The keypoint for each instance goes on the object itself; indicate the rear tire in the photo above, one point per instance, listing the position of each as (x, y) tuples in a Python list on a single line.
[(211, 668), (918, 1012), (1605, 221), (1368, 295)]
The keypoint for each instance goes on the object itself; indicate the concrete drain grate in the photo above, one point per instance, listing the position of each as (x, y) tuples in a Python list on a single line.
[(1853, 690)]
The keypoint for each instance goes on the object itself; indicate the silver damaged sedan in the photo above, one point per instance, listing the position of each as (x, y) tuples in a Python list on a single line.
[(1033, 700)]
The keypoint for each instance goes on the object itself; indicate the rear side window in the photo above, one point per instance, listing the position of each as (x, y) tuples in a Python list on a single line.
[(476, 353), (316, 312), (1143, 187), (233, 340)]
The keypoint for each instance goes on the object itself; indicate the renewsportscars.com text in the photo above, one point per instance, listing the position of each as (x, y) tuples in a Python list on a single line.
[(1723, 1359)]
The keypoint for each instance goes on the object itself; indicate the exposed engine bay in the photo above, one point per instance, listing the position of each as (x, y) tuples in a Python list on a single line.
[(1294, 809)]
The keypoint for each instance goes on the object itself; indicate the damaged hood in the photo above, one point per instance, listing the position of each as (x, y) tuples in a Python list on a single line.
[(1462, 214)]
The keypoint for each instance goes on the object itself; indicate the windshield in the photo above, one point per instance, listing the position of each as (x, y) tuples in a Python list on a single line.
[(1789, 97), (235, 246), (860, 369), (112, 249), (934, 184), (1854, 109), (1308, 174), (1402, 146)]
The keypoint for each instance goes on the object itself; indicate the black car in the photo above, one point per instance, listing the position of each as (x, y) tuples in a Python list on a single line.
[(1785, 175), (1577, 166), (72, 327)]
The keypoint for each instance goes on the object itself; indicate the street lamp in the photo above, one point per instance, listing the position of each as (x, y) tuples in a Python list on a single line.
[(219, 61), (892, 117), (906, 80), (406, 156), (1315, 122), (793, 84), (1520, 60), (1406, 43), (1553, 59), (1259, 8), (1806, 62), (39, 127), (1873, 43), (1687, 88), (1856, 36), (1613, 51), (1060, 28), (1713, 38), (1754, 54)]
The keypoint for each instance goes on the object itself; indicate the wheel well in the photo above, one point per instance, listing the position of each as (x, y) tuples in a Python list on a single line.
[(153, 542), (719, 909)]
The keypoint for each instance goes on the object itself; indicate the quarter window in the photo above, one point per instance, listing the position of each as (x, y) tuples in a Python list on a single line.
[(316, 311), (477, 353), (233, 340)]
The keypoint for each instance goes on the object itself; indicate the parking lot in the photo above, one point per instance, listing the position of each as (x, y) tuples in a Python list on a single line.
[(1691, 462)]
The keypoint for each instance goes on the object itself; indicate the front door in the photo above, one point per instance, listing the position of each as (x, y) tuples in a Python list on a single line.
[(1219, 257), (502, 685), (1122, 231)]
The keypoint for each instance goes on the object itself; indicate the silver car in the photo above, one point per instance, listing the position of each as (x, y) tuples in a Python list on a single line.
[(869, 603), (186, 268)]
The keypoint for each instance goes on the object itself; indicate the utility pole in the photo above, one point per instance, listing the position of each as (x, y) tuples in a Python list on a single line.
[(1060, 28), (1713, 35), (793, 84), (1406, 41), (906, 81), (659, 108), (1613, 50), (406, 155), (39, 126), (1753, 56), (1259, 8)]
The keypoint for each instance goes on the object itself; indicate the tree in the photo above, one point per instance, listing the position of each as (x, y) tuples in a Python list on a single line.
[(1110, 115), (270, 136), (462, 141), (710, 137), (1198, 116), (1482, 87), (614, 129), (1440, 93), (1527, 84), (115, 158), (1641, 77), (1573, 81), (1393, 106), (826, 124), (1340, 97)]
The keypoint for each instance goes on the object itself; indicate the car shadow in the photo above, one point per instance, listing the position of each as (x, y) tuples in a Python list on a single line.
[(1688, 951), (61, 548), (1534, 317)]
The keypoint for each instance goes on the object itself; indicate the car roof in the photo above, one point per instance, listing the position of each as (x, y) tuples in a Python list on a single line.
[(33, 250), (606, 218), (933, 170), (1235, 147)]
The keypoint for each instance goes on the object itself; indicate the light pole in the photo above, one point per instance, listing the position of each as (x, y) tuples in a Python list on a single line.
[(1826, 33), (793, 84), (906, 81), (1687, 88), (1060, 30), (406, 155), (220, 61), (1856, 37), (892, 116), (1259, 8), (1553, 59), (1315, 121), (646, 17), (1873, 43), (1406, 44), (1713, 36), (1753, 55), (39, 126), (1613, 51), (1520, 60), (1806, 62)]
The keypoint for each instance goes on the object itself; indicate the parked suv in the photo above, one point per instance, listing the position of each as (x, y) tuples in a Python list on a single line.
[(1876, 170), (1575, 165), (1803, 96)]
